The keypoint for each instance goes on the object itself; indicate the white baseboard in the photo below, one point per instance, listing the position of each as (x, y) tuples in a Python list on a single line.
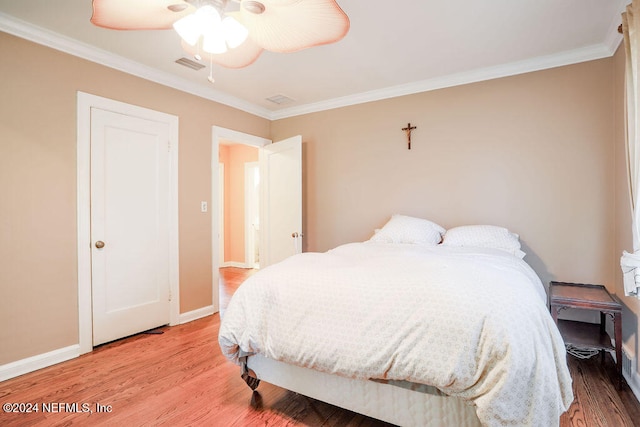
[(240, 264), (629, 371), (235, 264), (30, 364), (190, 316), (634, 383)]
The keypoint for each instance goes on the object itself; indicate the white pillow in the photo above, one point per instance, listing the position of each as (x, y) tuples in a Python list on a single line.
[(484, 236), (407, 229)]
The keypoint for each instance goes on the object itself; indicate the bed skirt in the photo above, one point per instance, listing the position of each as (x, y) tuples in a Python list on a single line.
[(400, 404)]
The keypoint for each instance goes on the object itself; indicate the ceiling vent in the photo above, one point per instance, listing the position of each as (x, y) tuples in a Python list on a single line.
[(190, 64), (280, 99)]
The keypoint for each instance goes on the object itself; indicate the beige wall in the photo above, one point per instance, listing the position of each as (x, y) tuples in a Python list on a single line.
[(38, 278), (532, 152), (540, 153), (234, 158)]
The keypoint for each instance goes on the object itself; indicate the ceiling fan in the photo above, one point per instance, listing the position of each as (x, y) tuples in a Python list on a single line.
[(232, 38)]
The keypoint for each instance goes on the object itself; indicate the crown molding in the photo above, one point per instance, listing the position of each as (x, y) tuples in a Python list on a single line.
[(74, 47), (589, 53), (614, 38)]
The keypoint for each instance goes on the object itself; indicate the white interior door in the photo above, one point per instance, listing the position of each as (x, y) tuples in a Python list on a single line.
[(130, 183), (281, 200)]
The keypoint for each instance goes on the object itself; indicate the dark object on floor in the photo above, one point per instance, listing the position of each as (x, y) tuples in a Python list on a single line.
[(249, 376)]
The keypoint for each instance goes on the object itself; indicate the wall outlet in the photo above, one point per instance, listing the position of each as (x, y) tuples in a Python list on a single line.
[(203, 206)]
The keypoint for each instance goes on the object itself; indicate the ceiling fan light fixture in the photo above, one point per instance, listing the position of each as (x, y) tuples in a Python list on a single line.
[(216, 33), (188, 29), (234, 32), (208, 15), (197, 24), (213, 40), (287, 26)]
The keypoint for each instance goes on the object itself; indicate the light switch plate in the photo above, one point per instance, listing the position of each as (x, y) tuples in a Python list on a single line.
[(203, 206)]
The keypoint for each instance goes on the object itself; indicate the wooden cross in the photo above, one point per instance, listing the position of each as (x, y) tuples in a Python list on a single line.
[(408, 130)]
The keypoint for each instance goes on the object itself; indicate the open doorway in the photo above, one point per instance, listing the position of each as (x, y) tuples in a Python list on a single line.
[(280, 205), (235, 232), (239, 217)]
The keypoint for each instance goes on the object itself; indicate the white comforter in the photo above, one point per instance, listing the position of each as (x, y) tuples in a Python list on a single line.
[(473, 323)]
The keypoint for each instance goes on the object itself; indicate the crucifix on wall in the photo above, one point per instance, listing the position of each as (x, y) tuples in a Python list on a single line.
[(408, 130)]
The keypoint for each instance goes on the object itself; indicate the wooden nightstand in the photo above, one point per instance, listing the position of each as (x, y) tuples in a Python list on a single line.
[(589, 336)]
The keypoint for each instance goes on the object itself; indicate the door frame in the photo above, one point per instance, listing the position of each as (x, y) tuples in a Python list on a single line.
[(85, 102), (250, 197), (220, 199), (219, 134)]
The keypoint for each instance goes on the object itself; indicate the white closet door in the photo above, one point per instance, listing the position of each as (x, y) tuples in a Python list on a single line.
[(130, 183)]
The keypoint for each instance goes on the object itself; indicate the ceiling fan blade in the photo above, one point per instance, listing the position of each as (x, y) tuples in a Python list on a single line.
[(292, 25), (139, 14), (239, 57)]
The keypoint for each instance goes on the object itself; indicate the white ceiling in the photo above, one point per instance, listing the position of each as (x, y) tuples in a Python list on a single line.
[(392, 48)]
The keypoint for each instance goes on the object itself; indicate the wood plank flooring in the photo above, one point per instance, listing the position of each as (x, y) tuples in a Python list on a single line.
[(180, 378)]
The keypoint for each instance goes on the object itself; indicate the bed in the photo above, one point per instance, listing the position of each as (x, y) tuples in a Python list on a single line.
[(417, 326)]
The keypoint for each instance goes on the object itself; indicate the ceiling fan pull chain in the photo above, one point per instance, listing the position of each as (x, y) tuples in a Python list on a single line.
[(197, 55), (210, 78)]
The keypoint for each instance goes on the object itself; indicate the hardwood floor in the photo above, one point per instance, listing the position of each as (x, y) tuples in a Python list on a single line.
[(180, 378), (597, 402), (230, 279)]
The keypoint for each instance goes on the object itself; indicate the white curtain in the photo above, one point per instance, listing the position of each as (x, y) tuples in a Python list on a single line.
[(630, 262)]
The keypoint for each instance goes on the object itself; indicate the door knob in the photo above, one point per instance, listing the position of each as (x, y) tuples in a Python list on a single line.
[(99, 244)]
